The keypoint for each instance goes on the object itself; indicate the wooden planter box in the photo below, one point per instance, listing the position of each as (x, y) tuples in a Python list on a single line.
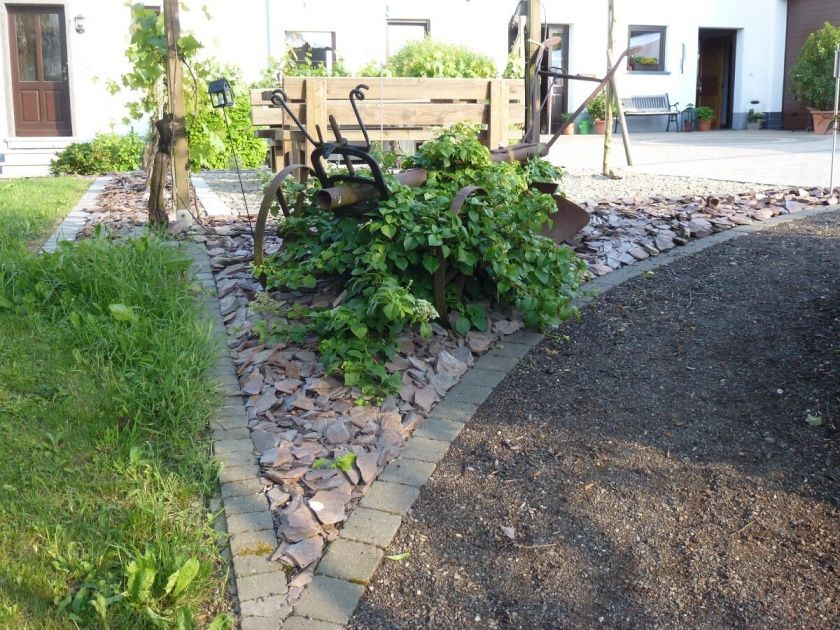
[(394, 109)]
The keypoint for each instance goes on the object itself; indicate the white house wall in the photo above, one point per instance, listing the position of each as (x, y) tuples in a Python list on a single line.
[(247, 32)]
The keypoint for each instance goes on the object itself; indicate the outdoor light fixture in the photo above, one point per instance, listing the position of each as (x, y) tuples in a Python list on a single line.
[(79, 23), (220, 93), (221, 96)]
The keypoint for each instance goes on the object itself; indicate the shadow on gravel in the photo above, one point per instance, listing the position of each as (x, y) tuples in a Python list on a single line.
[(670, 459)]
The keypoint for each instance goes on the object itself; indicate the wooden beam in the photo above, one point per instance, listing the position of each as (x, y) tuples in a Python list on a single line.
[(175, 85)]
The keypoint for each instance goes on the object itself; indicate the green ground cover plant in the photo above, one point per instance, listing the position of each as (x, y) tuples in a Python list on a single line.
[(106, 153), (104, 465), (387, 258)]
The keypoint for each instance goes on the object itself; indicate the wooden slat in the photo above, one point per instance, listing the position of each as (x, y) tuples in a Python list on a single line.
[(338, 88), (374, 114)]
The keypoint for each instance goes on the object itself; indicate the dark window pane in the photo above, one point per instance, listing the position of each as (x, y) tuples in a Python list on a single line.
[(27, 54), (650, 44), (51, 46)]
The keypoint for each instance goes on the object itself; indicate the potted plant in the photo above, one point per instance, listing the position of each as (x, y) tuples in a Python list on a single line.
[(640, 62), (569, 130), (585, 125), (704, 116), (597, 109), (754, 120), (812, 75)]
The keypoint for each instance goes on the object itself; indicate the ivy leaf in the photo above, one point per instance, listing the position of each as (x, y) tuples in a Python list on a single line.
[(360, 330), (123, 313), (345, 462), (431, 263), (388, 230), (434, 240), (462, 325), (478, 316)]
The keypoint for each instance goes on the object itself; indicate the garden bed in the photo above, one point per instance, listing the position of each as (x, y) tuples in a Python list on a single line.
[(670, 459)]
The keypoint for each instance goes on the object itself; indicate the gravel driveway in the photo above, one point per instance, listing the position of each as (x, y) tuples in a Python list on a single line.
[(671, 459)]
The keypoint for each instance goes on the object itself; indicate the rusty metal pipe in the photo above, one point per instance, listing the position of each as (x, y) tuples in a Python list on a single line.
[(341, 196), (515, 153)]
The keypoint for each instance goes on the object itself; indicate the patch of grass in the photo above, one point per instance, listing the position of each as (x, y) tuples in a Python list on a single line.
[(104, 465), (30, 208)]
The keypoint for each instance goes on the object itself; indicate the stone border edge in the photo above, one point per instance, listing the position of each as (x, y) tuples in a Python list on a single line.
[(76, 219), (352, 559)]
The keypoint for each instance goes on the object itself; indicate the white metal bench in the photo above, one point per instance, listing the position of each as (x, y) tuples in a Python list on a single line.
[(656, 105)]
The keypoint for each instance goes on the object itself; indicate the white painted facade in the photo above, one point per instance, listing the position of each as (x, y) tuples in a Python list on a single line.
[(247, 32)]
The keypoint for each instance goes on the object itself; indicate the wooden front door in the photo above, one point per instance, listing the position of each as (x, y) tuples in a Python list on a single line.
[(40, 90), (710, 77)]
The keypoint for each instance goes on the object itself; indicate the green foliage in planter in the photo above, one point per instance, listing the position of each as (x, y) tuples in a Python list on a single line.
[(754, 116), (704, 113), (387, 259), (645, 61), (208, 138), (597, 107), (106, 153), (428, 58), (291, 66), (811, 76)]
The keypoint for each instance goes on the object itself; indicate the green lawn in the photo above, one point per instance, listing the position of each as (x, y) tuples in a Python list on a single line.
[(104, 399), (30, 208)]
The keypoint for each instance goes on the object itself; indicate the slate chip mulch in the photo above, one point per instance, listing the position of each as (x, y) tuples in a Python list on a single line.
[(673, 462)]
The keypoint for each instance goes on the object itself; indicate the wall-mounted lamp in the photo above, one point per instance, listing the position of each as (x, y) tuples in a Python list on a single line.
[(79, 23)]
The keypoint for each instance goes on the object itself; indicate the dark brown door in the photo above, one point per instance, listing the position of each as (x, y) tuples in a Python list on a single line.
[(710, 79), (39, 71)]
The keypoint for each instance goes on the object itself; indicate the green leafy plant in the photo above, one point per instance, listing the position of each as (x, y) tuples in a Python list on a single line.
[(754, 116), (209, 143), (291, 66), (811, 77), (645, 61), (106, 153), (428, 58), (704, 113), (597, 107), (387, 258)]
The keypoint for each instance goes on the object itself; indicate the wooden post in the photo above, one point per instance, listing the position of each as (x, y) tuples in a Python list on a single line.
[(533, 37), (608, 92), (315, 97), (494, 127), (175, 85)]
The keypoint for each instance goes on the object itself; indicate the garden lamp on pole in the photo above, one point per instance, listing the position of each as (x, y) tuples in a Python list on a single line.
[(835, 122), (221, 97)]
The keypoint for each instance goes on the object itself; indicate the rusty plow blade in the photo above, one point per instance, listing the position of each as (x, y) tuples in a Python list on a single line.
[(569, 219)]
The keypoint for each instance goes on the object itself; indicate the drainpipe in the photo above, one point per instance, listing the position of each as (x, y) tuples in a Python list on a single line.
[(268, 30)]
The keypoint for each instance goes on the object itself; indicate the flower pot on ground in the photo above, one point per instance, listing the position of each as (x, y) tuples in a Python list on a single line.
[(754, 120), (569, 130), (600, 126), (585, 126), (812, 76), (821, 121), (705, 116)]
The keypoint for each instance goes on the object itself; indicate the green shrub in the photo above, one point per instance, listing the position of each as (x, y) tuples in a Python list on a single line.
[(106, 153), (811, 76), (704, 113), (428, 58), (291, 66), (388, 258)]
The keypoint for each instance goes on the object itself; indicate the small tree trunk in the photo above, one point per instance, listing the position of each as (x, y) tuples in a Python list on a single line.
[(160, 167)]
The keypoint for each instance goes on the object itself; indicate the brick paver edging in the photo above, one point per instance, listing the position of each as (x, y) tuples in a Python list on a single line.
[(69, 228), (352, 559)]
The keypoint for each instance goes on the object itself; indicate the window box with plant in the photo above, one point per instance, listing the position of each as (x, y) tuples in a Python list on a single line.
[(648, 44), (754, 120), (812, 75), (705, 116)]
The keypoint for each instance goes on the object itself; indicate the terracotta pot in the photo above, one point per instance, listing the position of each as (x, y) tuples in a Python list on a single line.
[(704, 125), (600, 127), (570, 130), (821, 120), (754, 126)]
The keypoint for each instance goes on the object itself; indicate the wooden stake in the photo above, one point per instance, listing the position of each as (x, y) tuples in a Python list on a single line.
[(608, 92), (533, 37), (175, 85)]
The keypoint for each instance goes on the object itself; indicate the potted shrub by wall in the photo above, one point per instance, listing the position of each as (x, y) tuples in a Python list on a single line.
[(597, 109), (704, 116), (811, 77), (754, 119), (570, 129)]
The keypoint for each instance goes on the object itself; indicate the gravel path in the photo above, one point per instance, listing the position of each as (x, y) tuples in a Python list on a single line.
[(587, 185), (579, 185), (669, 460)]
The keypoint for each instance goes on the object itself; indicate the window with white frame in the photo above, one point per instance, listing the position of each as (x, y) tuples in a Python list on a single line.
[(649, 42), (400, 32), (318, 46)]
